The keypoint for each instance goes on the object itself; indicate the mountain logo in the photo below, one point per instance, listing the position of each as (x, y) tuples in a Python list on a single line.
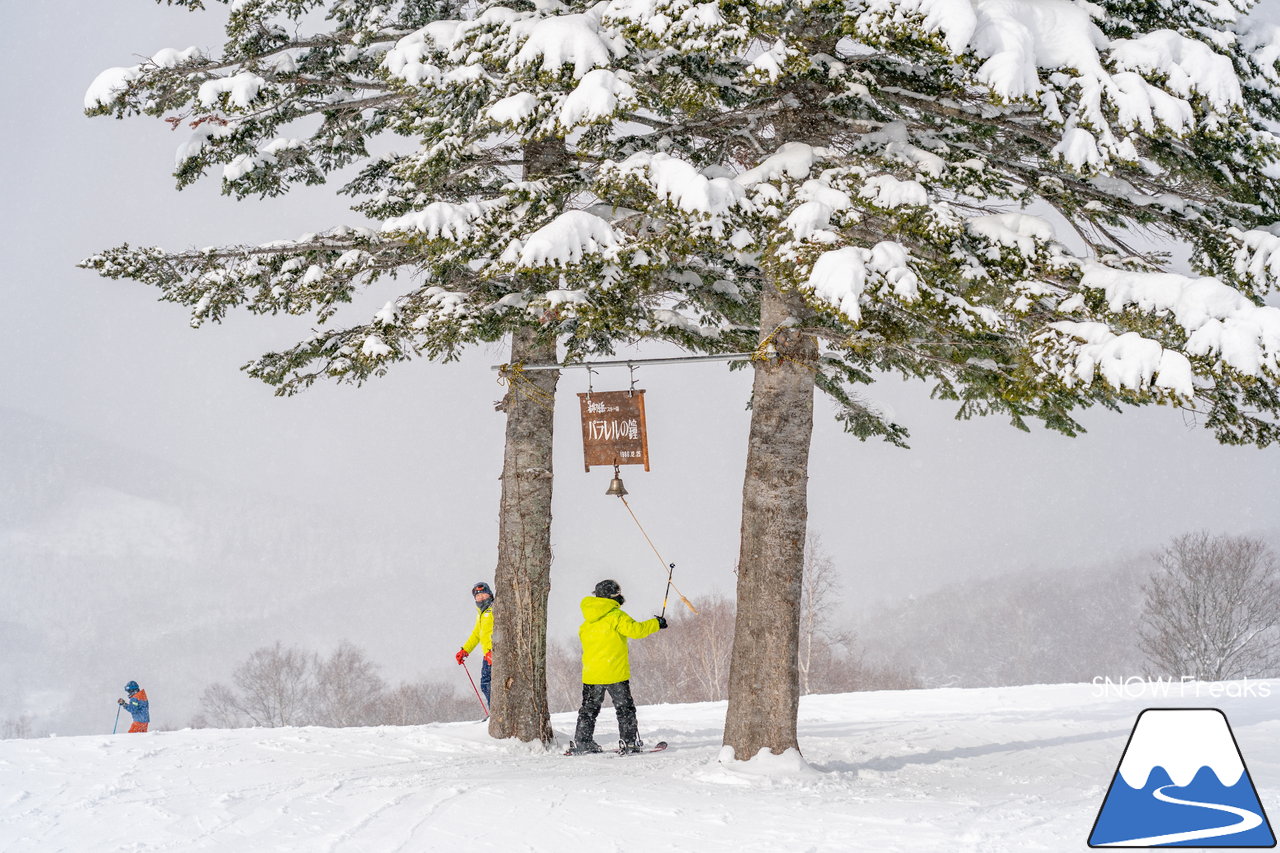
[(1182, 782)]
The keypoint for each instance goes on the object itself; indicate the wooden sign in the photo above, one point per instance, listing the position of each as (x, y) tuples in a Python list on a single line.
[(613, 428)]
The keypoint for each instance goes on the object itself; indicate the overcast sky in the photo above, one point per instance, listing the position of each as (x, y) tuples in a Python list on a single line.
[(423, 446)]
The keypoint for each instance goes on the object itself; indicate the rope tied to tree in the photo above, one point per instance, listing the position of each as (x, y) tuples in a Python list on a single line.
[(767, 350), (516, 378)]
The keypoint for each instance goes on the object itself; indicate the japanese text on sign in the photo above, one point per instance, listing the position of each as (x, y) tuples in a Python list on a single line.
[(613, 429)]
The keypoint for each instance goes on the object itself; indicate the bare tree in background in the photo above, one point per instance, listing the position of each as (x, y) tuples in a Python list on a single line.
[(421, 702), (220, 709), (710, 648), (275, 687), (564, 675), (1212, 611), (688, 662), (280, 686), (347, 688), (818, 595), (17, 727)]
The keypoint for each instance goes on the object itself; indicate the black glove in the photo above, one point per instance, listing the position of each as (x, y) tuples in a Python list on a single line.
[(662, 622)]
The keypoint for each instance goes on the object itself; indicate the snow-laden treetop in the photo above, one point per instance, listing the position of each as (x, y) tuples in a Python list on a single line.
[(979, 192)]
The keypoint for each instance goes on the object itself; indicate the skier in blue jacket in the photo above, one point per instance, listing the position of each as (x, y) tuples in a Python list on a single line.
[(137, 706)]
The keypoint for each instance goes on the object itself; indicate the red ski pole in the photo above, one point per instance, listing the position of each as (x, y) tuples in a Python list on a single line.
[(483, 707)]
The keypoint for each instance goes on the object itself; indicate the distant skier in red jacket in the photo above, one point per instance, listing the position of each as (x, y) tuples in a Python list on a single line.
[(137, 706)]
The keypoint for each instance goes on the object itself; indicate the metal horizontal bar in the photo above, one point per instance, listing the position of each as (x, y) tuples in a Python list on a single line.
[(636, 362)]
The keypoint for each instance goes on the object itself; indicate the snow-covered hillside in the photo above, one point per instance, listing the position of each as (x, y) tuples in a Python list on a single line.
[(1007, 769)]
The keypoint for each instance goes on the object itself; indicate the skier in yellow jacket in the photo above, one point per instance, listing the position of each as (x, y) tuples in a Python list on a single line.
[(481, 634), (605, 666)]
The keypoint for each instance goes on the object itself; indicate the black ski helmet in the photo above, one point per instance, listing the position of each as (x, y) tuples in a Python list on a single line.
[(132, 687), (481, 586), (609, 589)]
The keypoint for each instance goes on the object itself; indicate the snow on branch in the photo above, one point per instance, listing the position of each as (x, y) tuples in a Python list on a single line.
[(678, 182), (576, 40), (1187, 67), (1219, 321), (240, 89), (565, 241), (841, 277), (1020, 231), (1258, 258), (542, 41), (601, 93), (111, 83), (442, 220), (1054, 53), (1126, 361)]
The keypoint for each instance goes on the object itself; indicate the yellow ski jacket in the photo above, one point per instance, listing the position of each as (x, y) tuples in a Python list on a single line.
[(482, 633), (604, 640)]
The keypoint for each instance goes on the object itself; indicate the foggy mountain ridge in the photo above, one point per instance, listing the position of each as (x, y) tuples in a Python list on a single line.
[(1039, 627), (120, 566), (1017, 628), (41, 457)]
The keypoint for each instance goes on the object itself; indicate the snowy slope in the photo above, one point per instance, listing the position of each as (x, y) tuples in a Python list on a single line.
[(1016, 769)]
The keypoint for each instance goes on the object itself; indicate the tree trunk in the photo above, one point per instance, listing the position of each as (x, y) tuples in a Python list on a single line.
[(522, 579), (764, 688)]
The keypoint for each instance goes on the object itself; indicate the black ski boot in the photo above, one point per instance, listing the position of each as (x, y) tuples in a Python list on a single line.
[(584, 748)]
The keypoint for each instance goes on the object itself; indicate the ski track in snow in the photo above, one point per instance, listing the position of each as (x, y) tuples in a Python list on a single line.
[(999, 769)]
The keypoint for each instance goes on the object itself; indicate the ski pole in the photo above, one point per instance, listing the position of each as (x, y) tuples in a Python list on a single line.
[(480, 698), (671, 567), (117, 725)]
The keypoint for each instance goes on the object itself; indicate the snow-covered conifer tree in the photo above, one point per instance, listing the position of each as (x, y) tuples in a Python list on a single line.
[(987, 196), (483, 205)]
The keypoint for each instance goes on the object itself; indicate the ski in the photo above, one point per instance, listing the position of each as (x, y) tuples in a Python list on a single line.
[(657, 747)]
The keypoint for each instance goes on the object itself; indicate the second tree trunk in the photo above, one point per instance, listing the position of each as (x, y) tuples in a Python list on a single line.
[(764, 689)]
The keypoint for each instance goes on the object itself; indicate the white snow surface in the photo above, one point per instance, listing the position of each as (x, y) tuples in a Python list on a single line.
[(996, 769)]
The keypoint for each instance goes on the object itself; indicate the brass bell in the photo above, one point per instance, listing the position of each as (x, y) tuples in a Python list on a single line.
[(615, 485)]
